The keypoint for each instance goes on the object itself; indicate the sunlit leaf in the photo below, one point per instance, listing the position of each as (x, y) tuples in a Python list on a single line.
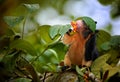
[(64, 29), (58, 29), (13, 20), (32, 7), (23, 45), (54, 30), (101, 63)]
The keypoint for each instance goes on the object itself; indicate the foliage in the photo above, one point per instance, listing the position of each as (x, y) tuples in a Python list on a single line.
[(101, 40), (27, 55), (15, 21), (24, 57), (58, 29), (115, 10)]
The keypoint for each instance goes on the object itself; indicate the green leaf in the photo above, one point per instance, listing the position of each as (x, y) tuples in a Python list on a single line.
[(10, 32), (106, 46), (78, 70), (64, 29), (9, 61), (58, 29), (101, 63), (102, 37), (115, 41), (54, 30), (32, 7), (89, 21), (60, 49), (23, 45), (114, 57), (43, 34), (13, 20)]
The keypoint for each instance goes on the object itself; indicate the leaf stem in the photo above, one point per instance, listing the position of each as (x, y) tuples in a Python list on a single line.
[(48, 46), (23, 27), (40, 54)]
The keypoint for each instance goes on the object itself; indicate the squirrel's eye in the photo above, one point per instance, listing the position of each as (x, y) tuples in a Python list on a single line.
[(70, 32)]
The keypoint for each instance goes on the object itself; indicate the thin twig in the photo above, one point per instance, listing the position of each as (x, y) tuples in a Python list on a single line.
[(44, 77), (46, 49), (40, 54)]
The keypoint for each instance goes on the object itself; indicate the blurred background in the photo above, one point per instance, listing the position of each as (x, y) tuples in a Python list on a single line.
[(52, 12), (29, 23)]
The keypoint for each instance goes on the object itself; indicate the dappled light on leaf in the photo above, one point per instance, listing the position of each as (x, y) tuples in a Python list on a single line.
[(32, 7), (58, 30), (32, 52), (54, 30), (101, 62), (13, 20)]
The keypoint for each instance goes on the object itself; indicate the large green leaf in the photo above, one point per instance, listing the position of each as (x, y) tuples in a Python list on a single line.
[(89, 21), (100, 63), (54, 30), (102, 37), (58, 30), (44, 36), (115, 41), (13, 20), (114, 57), (60, 49), (64, 29), (23, 45), (113, 44), (32, 7)]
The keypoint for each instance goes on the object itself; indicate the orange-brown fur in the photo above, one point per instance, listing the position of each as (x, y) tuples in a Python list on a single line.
[(75, 54)]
